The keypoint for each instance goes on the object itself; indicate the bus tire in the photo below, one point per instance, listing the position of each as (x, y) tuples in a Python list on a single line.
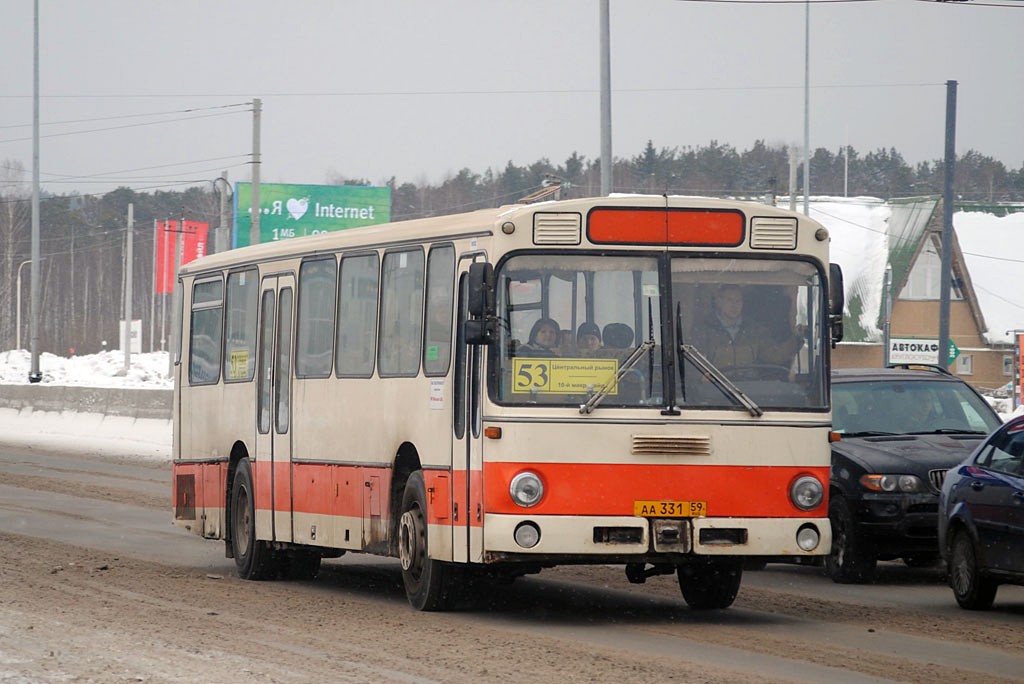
[(429, 583), (256, 560), (710, 583)]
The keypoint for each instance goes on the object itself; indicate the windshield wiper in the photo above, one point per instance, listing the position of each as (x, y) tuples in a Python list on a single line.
[(947, 431), (634, 358), (687, 352)]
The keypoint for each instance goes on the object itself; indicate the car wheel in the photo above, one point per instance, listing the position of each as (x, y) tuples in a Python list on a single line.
[(972, 589), (848, 562)]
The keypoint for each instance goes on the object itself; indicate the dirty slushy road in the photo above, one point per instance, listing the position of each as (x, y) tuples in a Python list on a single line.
[(97, 586)]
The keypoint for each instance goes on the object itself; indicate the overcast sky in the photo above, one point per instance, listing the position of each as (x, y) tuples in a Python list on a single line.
[(419, 90)]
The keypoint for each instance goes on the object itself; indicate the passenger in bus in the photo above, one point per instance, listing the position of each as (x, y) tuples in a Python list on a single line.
[(730, 340), (544, 339), (618, 336), (588, 338)]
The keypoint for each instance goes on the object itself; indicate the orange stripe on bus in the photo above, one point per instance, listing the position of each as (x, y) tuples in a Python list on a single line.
[(661, 226), (604, 489)]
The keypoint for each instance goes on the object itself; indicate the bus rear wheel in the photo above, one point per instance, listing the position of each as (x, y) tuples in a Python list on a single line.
[(710, 583), (429, 583), (256, 560)]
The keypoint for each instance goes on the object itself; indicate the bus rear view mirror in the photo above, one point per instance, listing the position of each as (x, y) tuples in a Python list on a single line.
[(481, 290), (836, 302), (479, 331)]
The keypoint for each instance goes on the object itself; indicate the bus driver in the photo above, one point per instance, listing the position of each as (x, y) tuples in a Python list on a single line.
[(729, 340)]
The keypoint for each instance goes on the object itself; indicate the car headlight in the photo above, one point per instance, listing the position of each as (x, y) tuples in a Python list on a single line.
[(892, 483), (526, 489), (806, 493)]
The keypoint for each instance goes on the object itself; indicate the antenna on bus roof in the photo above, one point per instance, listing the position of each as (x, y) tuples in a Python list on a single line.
[(551, 188)]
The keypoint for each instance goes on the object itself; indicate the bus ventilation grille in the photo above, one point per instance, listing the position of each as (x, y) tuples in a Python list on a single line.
[(550, 228), (647, 445), (773, 233)]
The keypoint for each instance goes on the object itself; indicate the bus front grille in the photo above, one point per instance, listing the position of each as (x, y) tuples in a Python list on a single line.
[(649, 445), (773, 233), (551, 228)]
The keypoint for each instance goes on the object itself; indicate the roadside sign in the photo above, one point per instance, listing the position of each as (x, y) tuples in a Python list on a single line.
[(914, 350)]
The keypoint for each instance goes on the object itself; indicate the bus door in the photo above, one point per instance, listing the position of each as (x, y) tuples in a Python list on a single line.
[(467, 459), (273, 408)]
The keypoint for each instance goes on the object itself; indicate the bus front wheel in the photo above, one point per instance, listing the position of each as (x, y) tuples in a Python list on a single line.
[(429, 583), (710, 583), (255, 559)]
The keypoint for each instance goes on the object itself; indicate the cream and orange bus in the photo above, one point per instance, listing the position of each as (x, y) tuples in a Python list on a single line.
[(432, 390)]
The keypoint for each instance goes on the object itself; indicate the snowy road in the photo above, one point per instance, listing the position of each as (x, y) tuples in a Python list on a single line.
[(96, 585)]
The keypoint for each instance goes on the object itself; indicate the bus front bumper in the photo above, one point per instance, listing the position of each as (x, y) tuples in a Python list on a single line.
[(625, 536)]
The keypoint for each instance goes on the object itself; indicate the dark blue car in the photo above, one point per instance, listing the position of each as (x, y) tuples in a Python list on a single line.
[(981, 518)]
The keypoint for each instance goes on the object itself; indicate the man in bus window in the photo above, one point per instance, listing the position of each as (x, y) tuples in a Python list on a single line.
[(730, 340), (588, 338)]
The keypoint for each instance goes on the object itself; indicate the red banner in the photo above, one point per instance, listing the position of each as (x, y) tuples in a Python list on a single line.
[(193, 244)]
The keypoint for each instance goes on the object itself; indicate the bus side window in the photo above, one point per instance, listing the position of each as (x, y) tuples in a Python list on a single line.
[(204, 346), (437, 348), (401, 313), (357, 316), (240, 302), (315, 329)]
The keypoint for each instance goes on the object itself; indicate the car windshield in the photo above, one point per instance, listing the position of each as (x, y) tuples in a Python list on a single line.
[(909, 407)]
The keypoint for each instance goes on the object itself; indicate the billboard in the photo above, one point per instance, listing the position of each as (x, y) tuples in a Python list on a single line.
[(194, 235), (288, 211)]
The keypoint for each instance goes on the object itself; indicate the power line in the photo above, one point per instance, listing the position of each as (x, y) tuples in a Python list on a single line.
[(127, 116), (116, 128)]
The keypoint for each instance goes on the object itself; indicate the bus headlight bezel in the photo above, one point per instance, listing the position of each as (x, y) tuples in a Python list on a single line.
[(806, 493), (526, 489)]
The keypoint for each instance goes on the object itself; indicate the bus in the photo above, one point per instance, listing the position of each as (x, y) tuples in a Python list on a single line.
[(431, 390)]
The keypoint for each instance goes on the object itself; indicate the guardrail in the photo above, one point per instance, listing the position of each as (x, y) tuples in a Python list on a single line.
[(133, 403)]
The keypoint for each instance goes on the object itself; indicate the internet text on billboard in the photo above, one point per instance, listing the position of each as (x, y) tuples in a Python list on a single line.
[(288, 211)]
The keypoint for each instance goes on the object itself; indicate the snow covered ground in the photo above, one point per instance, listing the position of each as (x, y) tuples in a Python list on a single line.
[(93, 433)]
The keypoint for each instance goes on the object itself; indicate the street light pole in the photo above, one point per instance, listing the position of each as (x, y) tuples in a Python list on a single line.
[(17, 324)]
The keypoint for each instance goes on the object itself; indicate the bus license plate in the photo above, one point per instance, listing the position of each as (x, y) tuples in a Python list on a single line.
[(670, 509)]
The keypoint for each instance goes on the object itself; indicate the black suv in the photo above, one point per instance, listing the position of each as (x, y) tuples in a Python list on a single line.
[(900, 429)]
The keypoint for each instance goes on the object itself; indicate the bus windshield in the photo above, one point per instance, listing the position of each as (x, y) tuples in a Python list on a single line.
[(578, 325)]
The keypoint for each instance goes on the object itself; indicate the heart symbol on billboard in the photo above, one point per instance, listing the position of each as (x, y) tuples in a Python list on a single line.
[(297, 207)]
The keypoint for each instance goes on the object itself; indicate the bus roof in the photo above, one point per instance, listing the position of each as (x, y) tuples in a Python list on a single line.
[(481, 221)]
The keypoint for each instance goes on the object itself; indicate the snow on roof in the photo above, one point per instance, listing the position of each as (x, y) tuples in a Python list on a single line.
[(860, 246), (993, 248)]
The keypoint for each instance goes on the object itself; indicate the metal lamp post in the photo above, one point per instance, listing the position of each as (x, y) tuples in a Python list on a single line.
[(17, 324)]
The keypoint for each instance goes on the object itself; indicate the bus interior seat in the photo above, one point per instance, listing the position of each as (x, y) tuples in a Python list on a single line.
[(617, 335)]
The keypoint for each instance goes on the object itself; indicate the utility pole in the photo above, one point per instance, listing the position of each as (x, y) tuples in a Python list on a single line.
[(606, 101), (128, 275), (807, 107), (223, 238), (945, 284), (179, 248), (34, 374), (887, 321), (152, 293), (254, 230)]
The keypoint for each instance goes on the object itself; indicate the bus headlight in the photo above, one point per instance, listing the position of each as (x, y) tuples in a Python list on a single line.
[(526, 489), (806, 493), (808, 537), (527, 534)]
